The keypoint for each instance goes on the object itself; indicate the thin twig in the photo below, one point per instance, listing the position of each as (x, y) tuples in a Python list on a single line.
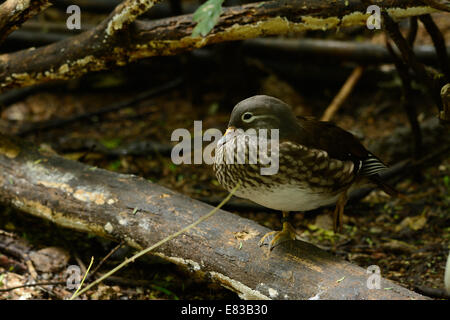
[(407, 102), (156, 245), (439, 43), (410, 58), (46, 125), (31, 269), (105, 258), (48, 283), (412, 32), (134, 148), (82, 281), (342, 95), (444, 115), (80, 263)]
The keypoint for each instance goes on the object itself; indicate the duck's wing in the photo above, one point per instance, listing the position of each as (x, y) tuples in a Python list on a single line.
[(344, 146)]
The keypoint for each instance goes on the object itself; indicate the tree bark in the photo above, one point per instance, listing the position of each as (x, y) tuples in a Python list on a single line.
[(15, 12), (224, 248), (444, 115), (334, 50), (117, 43)]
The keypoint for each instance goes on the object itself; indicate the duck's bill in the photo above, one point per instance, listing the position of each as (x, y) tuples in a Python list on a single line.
[(229, 130)]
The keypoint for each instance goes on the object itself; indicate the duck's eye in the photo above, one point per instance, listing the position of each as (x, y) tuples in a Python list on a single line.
[(247, 117)]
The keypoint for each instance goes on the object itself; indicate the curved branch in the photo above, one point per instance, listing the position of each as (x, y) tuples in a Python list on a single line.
[(126, 13), (95, 50), (15, 12)]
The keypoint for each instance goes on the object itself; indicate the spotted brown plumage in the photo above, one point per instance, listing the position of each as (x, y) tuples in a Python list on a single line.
[(318, 162)]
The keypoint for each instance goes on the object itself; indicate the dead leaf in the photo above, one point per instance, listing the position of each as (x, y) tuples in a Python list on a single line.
[(414, 223), (398, 246), (50, 259)]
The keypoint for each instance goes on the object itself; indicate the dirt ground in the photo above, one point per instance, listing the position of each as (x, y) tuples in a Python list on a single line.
[(408, 238)]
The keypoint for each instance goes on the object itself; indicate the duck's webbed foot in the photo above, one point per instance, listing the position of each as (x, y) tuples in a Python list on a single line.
[(278, 237)]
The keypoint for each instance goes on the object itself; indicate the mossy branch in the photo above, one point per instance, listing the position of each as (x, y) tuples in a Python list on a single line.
[(104, 47)]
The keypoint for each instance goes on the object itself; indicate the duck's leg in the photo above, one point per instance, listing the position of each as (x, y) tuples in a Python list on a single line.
[(338, 214), (286, 234)]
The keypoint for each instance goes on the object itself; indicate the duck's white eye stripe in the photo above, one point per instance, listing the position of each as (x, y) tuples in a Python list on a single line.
[(247, 117)]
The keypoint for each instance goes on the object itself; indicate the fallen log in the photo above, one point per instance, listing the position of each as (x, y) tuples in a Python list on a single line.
[(223, 249)]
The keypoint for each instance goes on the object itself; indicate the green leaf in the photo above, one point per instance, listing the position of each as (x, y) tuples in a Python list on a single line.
[(114, 166), (172, 167), (206, 17), (165, 291), (213, 108), (447, 181)]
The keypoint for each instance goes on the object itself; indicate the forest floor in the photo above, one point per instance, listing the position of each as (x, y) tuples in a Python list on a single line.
[(407, 238)]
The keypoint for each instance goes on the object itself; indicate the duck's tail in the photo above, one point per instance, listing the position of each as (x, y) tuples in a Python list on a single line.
[(390, 190)]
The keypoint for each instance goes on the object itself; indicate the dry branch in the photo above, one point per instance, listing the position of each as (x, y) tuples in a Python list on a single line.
[(407, 96), (343, 93), (55, 123), (125, 14), (444, 115), (439, 43), (103, 47), (306, 48), (224, 248), (410, 59), (15, 12), (361, 52)]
